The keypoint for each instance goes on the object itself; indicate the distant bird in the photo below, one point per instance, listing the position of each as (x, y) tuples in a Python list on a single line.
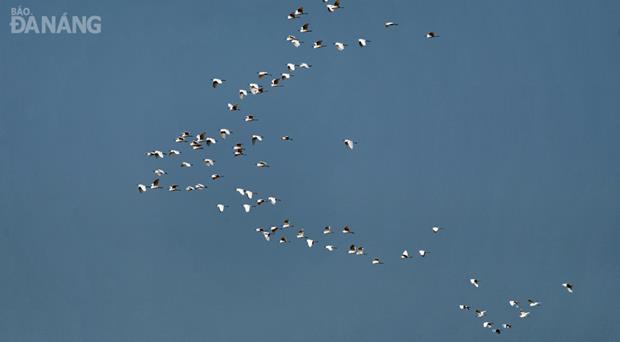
[(533, 303), (217, 82), (487, 325), (376, 261), (255, 89), (286, 224), (362, 42), (349, 143), (208, 162), (523, 314), (173, 153), (330, 248), (296, 42), (262, 74), (216, 176), (155, 184), (464, 307), (506, 325), (224, 132), (390, 24), (273, 200), (346, 230), (310, 242), (305, 66), (173, 187), (286, 138), (275, 82), (340, 46), (242, 93), (480, 313), (568, 287), (141, 188), (159, 172), (256, 138), (267, 235), (474, 282), (186, 164), (200, 186), (283, 239), (285, 76), (300, 234), (156, 153), (404, 255), (305, 28), (233, 107), (513, 303), (422, 253), (189, 188), (431, 35), (497, 331), (221, 207), (352, 249), (260, 201), (290, 66), (436, 229), (327, 230), (249, 118), (247, 207), (318, 44), (261, 164), (331, 8), (360, 251)]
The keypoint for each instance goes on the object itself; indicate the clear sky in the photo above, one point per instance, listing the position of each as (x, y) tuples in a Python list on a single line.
[(504, 131)]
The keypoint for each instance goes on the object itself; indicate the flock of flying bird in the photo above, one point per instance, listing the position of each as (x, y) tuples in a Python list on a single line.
[(201, 140)]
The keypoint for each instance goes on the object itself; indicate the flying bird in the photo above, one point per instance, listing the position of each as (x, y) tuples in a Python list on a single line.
[(389, 24), (474, 282), (221, 207), (376, 261), (340, 46), (404, 255), (362, 42), (349, 143), (568, 287), (217, 82), (431, 35), (141, 188)]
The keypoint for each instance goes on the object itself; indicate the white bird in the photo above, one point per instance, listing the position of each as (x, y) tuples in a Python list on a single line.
[(249, 193), (200, 186), (247, 207), (376, 261), (242, 93), (310, 242), (360, 251), (208, 162), (141, 188), (249, 118), (267, 235), (221, 207), (318, 44), (255, 89), (300, 234), (240, 191), (296, 43), (156, 153), (285, 76), (487, 325), (506, 325), (349, 143), (404, 255), (262, 164), (216, 176), (474, 282), (363, 42), (497, 331), (283, 239), (305, 66), (224, 132), (273, 229), (233, 107), (262, 74), (523, 314), (189, 188), (464, 307), (352, 249), (275, 82), (431, 34), (173, 153), (568, 287), (436, 229), (480, 313), (210, 141), (346, 230), (286, 224), (340, 46), (533, 303), (286, 138), (422, 253), (513, 303), (327, 230), (159, 172), (330, 248), (390, 24), (305, 28), (186, 164), (172, 187), (217, 82), (260, 201), (155, 184), (331, 8), (273, 200), (256, 138)]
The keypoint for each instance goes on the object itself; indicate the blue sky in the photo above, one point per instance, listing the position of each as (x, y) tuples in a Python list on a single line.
[(504, 131)]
